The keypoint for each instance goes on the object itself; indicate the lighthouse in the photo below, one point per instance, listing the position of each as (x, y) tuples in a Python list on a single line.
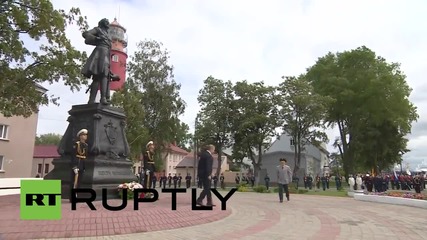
[(118, 56)]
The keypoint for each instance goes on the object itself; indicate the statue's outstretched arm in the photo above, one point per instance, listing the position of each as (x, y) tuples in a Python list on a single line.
[(91, 36)]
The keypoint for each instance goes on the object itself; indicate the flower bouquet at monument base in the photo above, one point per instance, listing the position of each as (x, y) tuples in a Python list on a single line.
[(410, 195), (130, 187)]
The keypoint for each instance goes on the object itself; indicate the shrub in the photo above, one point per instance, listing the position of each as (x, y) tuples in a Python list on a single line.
[(260, 189), (242, 188)]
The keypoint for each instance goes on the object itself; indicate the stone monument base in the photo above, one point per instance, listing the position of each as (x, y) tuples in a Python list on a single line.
[(107, 164)]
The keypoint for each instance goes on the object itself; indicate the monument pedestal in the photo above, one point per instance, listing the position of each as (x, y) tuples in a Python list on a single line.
[(107, 164)]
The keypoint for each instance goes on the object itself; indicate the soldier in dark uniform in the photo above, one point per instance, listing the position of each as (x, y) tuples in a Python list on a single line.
[(247, 179), (237, 179), (169, 180), (267, 181), (310, 181), (252, 180), (188, 180), (163, 180), (338, 182), (149, 167), (78, 159), (175, 180), (179, 180), (323, 180), (318, 180), (221, 180), (154, 180), (369, 183), (305, 181), (215, 180), (417, 184)]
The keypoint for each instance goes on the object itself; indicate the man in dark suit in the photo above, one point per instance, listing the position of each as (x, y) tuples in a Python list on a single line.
[(204, 171)]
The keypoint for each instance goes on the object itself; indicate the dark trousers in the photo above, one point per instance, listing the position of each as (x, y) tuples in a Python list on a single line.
[(164, 184), (148, 180), (154, 184), (206, 190), (188, 183), (283, 188)]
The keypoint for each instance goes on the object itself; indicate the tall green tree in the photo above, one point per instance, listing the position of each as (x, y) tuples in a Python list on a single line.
[(255, 121), (215, 116), (48, 139), (302, 112), (152, 99), (34, 50), (367, 91)]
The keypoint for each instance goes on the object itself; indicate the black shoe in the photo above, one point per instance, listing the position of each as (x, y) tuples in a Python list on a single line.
[(281, 201), (210, 205), (199, 203)]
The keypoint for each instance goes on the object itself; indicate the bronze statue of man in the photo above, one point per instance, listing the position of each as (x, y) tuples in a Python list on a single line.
[(97, 66)]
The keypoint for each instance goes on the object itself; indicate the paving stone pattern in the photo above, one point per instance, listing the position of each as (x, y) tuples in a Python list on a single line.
[(261, 216)]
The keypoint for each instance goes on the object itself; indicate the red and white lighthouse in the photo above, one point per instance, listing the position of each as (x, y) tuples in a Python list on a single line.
[(118, 53)]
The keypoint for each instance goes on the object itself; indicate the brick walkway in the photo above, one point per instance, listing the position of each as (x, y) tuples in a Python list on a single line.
[(261, 216), (83, 222)]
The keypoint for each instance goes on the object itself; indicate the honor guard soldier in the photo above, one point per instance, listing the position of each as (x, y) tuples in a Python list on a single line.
[(267, 181), (169, 180), (310, 181), (305, 181), (221, 180), (78, 159), (149, 167), (175, 180), (163, 181), (252, 180), (338, 182), (215, 180), (179, 180), (323, 180), (188, 180)]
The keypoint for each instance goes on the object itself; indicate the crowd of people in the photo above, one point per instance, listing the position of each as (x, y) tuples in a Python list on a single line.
[(384, 182)]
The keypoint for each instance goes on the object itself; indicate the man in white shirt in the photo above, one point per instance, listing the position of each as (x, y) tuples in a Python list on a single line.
[(284, 177)]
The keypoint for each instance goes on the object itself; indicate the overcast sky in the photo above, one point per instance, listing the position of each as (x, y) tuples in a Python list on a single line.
[(260, 40)]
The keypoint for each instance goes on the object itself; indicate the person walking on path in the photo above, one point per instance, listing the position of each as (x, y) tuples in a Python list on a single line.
[(284, 177)]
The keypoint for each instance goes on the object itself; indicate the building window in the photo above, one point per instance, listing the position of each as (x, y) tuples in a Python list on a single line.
[(4, 129), (292, 142), (115, 58), (1, 163), (39, 168), (46, 168)]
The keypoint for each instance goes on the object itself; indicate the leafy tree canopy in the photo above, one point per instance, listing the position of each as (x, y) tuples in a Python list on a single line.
[(27, 24), (48, 139)]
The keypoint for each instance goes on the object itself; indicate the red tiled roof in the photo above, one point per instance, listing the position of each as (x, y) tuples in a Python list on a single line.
[(172, 147), (46, 151)]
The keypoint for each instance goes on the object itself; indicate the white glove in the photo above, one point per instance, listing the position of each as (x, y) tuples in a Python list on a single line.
[(76, 170)]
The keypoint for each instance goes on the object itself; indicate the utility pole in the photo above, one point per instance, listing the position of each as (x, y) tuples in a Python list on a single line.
[(195, 150)]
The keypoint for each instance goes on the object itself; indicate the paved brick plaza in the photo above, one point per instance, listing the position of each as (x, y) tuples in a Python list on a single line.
[(84, 222), (260, 216)]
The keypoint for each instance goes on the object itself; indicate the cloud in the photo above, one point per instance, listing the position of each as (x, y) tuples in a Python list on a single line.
[(236, 40)]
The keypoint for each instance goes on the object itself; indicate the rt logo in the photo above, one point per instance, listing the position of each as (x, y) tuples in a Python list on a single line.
[(40, 200)]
